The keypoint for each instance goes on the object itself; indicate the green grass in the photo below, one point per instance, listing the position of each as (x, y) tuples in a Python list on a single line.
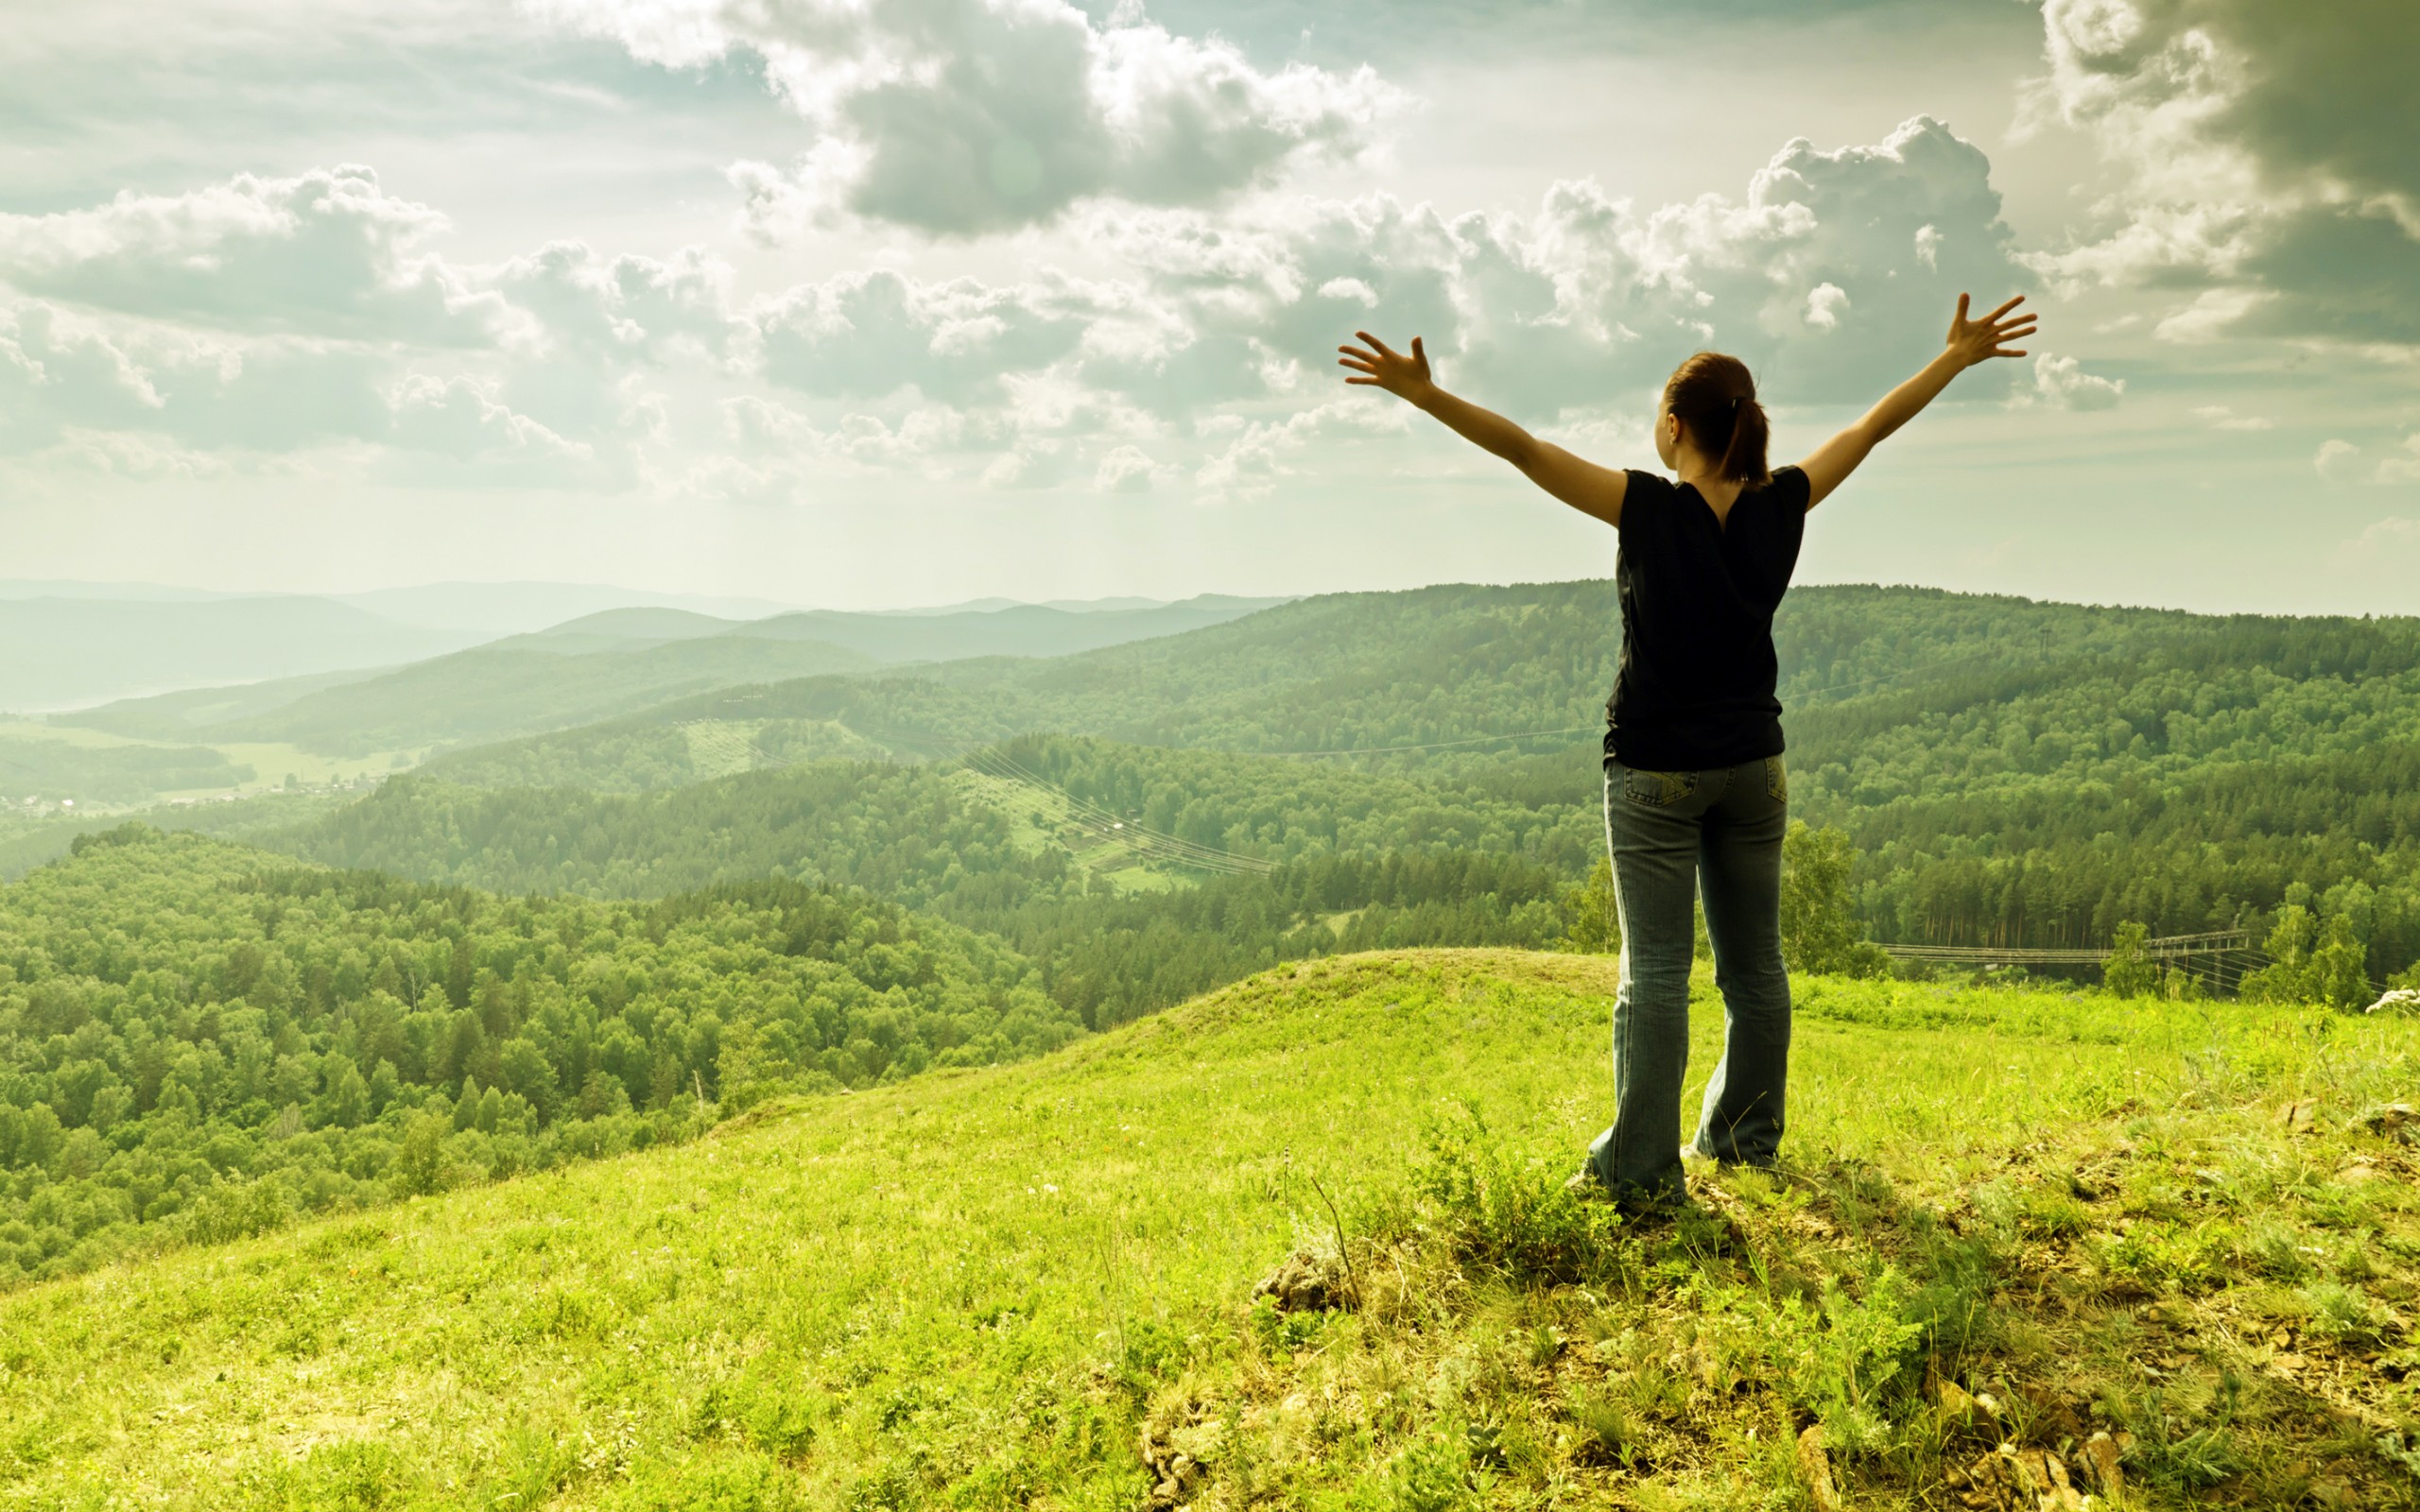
[(1031, 1285)]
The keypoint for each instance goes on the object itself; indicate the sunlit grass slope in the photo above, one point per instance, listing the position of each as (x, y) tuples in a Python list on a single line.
[(1032, 1285)]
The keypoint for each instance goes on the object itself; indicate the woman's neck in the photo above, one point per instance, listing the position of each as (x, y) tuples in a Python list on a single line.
[(1707, 477)]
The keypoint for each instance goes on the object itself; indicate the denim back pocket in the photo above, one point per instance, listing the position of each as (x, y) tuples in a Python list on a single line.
[(1777, 779), (1661, 789)]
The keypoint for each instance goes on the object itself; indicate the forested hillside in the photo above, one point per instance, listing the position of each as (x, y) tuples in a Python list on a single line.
[(199, 1039), (2016, 773), (1358, 860)]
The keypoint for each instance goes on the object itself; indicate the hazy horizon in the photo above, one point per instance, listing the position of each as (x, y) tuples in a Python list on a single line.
[(884, 304)]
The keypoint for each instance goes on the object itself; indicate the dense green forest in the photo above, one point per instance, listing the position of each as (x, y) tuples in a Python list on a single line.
[(199, 1039)]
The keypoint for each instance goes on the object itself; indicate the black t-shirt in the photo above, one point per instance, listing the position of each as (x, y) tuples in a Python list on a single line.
[(1695, 691)]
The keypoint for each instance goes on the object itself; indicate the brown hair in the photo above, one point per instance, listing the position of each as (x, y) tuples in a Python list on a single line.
[(1714, 396)]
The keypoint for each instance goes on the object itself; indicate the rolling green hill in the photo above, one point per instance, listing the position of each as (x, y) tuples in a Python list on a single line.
[(2078, 1229)]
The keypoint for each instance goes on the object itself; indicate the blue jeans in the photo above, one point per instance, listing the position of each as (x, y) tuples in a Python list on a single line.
[(1676, 836)]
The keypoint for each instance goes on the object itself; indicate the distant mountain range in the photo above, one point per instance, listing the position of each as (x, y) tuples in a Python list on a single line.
[(218, 657), (612, 662)]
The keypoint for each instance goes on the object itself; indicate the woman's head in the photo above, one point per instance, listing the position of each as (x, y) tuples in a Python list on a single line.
[(1710, 404)]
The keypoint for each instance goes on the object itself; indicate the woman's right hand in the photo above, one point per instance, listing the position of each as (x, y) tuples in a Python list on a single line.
[(1383, 368), (1974, 341)]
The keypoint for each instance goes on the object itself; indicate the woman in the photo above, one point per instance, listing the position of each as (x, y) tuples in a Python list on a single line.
[(1695, 795)]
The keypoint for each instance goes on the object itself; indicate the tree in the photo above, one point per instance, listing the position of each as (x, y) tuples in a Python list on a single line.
[(2130, 972), (743, 1067), (2286, 977), (2340, 974), (1819, 928), (349, 1099), (420, 1165), (2311, 962), (1596, 923)]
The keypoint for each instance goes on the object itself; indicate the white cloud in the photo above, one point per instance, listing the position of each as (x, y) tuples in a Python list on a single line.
[(1034, 462), (1126, 470), (60, 369), (1262, 450), (2061, 383), (2223, 417), (962, 117), (460, 417), (2340, 461), (621, 308), (2404, 467), (2383, 546), (867, 334), (325, 252), (2264, 160), (1826, 303)]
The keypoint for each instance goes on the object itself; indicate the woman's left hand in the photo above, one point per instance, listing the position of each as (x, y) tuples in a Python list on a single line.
[(1405, 377)]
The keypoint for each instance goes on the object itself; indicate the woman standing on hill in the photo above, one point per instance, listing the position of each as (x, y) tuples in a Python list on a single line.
[(1696, 800)]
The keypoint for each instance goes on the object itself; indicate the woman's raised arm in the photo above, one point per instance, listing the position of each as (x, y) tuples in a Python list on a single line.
[(1584, 485), (1970, 342)]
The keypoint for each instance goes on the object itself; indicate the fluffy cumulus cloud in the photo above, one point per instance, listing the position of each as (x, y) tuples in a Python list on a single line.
[(461, 418), (620, 308), (268, 315), (2264, 159), (326, 252), (867, 334), (960, 117), (2061, 383), (61, 371), (1836, 272)]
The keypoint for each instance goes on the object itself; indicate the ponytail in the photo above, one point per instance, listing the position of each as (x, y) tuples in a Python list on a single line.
[(1714, 397), (1743, 460)]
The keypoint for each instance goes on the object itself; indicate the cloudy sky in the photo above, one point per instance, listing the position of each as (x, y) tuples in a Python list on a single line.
[(869, 302)]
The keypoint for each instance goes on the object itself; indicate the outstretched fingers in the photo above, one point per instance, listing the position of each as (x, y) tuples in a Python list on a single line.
[(1993, 318), (1378, 346)]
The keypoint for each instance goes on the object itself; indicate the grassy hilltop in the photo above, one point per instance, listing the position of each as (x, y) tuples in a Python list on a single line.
[(2185, 1225)]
